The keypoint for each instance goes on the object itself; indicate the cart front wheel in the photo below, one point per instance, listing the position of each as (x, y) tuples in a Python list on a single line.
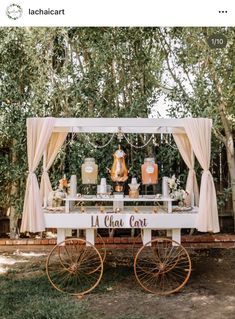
[(162, 266), (74, 266)]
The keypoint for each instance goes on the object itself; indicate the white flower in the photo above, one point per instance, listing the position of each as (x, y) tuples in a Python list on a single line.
[(173, 182), (175, 191), (177, 195)]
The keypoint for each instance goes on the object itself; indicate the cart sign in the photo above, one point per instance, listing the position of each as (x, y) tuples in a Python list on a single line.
[(112, 221)]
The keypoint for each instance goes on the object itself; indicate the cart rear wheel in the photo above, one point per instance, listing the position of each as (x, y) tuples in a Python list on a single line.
[(162, 266), (74, 266)]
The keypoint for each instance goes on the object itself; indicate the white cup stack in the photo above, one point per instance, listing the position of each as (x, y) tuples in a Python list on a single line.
[(165, 187), (134, 185), (73, 185), (103, 186)]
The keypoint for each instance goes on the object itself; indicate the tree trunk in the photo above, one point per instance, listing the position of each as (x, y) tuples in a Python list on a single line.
[(227, 139), (13, 214), (231, 168), (14, 231), (13, 217)]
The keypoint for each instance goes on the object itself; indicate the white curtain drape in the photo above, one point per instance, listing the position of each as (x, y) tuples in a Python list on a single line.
[(186, 152), (53, 147), (199, 134), (39, 131)]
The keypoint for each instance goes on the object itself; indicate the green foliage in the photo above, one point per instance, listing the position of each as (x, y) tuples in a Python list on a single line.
[(195, 70), (223, 197), (105, 72), (200, 82), (69, 72)]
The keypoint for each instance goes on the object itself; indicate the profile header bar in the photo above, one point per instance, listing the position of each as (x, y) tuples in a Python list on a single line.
[(117, 13)]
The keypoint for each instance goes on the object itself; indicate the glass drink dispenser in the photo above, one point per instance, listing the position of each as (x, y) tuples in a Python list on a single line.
[(149, 171), (89, 171)]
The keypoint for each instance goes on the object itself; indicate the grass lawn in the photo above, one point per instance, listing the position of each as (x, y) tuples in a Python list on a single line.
[(26, 293), (32, 297)]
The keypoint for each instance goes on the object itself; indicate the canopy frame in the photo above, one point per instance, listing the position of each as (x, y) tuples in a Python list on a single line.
[(208, 216), (112, 125)]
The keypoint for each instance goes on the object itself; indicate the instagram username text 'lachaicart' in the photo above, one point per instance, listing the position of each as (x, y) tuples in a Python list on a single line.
[(46, 12)]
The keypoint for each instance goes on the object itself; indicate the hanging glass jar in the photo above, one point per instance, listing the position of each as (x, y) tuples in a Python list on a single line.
[(149, 171), (89, 171)]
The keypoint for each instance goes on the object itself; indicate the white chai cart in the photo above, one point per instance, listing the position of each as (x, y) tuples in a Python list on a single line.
[(162, 265)]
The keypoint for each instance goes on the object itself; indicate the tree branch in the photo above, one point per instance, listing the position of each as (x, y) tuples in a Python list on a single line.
[(167, 52), (222, 104), (219, 136)]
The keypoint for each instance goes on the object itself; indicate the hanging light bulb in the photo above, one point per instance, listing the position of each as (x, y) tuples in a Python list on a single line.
[(120, 134)]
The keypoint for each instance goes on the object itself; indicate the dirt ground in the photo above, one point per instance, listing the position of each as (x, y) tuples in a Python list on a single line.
[(209, 293)]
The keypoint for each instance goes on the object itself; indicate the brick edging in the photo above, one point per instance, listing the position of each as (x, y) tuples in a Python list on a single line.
[(194, 241)]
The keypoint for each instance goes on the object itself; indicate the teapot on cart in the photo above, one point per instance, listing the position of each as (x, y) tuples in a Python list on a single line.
[(119, 172)]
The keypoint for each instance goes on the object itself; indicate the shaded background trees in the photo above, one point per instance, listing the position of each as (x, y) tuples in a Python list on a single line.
[(201, 83), (110, 72)]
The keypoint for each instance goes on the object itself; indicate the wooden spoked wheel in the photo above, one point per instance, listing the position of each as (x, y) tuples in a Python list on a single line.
[(74, 266), (162, 266)]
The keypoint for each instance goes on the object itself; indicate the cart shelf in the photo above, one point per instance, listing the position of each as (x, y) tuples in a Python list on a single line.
[(111, 198), (117, 200)]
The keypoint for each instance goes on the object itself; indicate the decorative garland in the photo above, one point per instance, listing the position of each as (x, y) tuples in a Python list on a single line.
[(120, 135), (136, 146), (99, 146)]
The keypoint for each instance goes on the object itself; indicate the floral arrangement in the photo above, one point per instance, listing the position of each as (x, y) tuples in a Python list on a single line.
[(63, 184), (176, 191), (55, 198)]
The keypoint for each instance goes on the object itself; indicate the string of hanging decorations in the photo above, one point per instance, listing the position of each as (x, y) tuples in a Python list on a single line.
[(99, 146), (120, 136), (139, 146)]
